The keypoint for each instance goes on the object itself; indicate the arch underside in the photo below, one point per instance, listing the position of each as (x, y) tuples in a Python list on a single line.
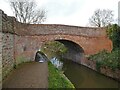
[(75, 52)]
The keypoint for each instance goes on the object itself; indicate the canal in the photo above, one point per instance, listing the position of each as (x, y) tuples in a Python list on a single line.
[(83, 77), (79, 75)]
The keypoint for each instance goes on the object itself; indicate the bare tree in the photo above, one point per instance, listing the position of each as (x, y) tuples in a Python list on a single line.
[(101, 18), (26, 12)]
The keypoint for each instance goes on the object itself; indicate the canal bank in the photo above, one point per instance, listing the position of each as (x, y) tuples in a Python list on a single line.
[(57, 79), (114, 74), (83, 77)]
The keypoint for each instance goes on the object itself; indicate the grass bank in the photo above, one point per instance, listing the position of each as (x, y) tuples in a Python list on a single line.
[(57, 79)]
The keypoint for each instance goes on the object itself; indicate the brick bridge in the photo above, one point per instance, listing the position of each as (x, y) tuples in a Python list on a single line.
[(22, 41)]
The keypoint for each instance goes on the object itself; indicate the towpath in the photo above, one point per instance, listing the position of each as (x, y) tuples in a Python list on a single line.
[(28, 75)]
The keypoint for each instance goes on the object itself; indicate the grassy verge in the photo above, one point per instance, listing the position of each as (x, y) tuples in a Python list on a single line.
[(57, 79)]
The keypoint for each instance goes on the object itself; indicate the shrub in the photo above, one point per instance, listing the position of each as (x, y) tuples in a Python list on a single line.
[(113, 32), (103, 58)]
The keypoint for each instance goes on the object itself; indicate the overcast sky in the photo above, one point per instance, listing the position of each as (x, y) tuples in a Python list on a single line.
[(69, 12)]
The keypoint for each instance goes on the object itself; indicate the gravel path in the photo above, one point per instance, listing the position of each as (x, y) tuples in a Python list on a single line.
[(28, 75)]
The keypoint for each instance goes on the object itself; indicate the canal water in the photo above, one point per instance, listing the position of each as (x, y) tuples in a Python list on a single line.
[(83, 77)]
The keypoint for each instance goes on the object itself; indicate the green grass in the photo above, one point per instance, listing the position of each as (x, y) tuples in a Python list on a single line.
[(57, 79)]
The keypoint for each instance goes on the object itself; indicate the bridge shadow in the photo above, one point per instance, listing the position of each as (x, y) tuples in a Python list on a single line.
[(75, 52)]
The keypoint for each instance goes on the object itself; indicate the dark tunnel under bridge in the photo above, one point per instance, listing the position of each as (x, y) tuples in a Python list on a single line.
[(75, 52)]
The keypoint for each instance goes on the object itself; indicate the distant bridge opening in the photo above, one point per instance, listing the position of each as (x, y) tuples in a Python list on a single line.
[(75, 52)]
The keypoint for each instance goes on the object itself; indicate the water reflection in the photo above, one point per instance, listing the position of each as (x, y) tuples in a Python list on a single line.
[(57, 63), (83, 77)]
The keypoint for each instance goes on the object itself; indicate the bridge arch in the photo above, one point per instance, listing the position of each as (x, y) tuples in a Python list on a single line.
[(27, 46), (75, 51)]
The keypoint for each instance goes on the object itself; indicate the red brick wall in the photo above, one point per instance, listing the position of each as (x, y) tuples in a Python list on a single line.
[(28, 45)]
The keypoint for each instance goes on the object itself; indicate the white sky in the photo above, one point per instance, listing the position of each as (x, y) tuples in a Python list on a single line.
[(69, 12)]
